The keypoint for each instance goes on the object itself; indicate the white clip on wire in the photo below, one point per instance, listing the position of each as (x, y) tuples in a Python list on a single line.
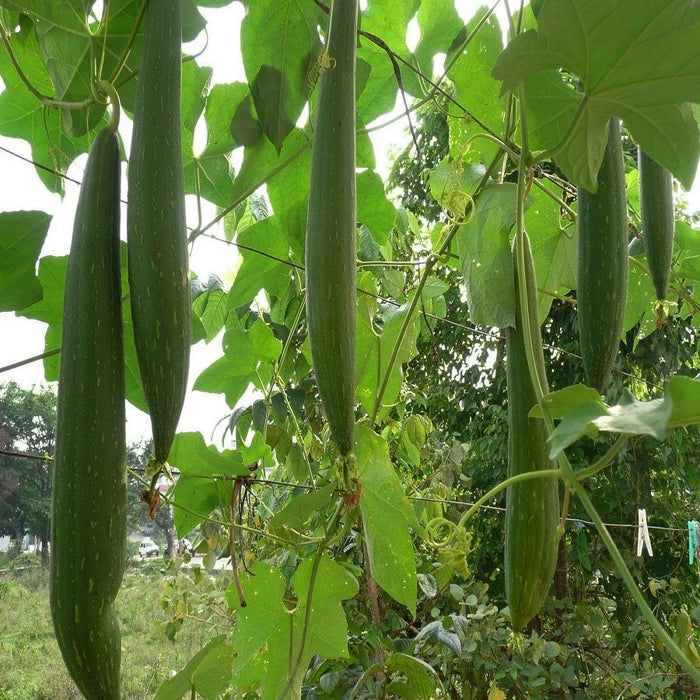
[(643, 533)]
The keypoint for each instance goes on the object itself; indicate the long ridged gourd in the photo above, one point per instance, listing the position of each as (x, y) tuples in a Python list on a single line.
[(658, 219), (156, 226), (601, 289), (331, 228), (532, 507), (88, 526)]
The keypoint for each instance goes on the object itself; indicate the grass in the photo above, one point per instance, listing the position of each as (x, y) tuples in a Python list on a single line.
[(154, 601)]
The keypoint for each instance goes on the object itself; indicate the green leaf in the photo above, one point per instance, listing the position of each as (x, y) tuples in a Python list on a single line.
[(641, 297), (263, 617), (637, 418), (561, 402), (207, 175), (23, 116), (65, 40), (245, 129), (299, 509), (228, 376), (288, 191), (387, 518), (279, 42), (453, 182), (613, 47), (270, 93), (194, 458), (475, 89), (536, 6), (210, 308), (684, 394), (198, 491), (377, 335), (267, 636), (72, 42), (680, 406), (551, 107), (223, 102), (374, 210), (388, 19), (248, 356), (553, 246), (287, 177), (439, 24), (208, 673), (22, 235), (578, 422), (377, 95), (421, 679), (487, 263), (49, 310), (264, 249)]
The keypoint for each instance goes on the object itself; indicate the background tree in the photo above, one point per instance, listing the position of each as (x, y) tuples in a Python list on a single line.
[(27, 425)]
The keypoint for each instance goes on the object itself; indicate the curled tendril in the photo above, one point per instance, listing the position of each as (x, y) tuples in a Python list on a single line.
[(105, 89), (440, 532), (452, 541)]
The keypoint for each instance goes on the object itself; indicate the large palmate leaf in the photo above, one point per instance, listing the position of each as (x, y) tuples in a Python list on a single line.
[(66, 42), (23, 116), (49, 310), (638, 61), (22, 235), (584, 413), (264, 250), (553, 245), (208, 673), (378, 333), (249, 354), (280, 44), (387, 517), (208, 174), (287, 176), (266, 624), (487, 263), (439, 25), (72, 41), (374, 210), (475, 89)]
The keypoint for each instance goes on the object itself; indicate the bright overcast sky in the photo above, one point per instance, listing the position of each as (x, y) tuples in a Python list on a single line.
[(21, 338)]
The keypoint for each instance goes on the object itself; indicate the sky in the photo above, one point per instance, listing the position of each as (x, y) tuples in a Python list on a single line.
[(22, 190)]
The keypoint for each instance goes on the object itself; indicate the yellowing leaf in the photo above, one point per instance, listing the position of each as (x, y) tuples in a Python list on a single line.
[(496, 693)]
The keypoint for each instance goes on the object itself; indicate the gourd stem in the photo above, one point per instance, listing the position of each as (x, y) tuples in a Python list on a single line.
[(106, 88), (604, 460), (517, 478)]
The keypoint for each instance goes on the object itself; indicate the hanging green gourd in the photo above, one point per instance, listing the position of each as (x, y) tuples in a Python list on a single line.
[(88, 524), (156, 227), (532, 507), (658, 222), (331, 230), (601, 289)]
